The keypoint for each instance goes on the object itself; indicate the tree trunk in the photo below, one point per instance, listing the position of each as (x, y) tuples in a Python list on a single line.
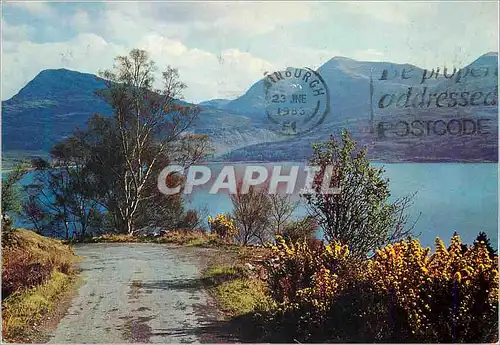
[(130, 227)]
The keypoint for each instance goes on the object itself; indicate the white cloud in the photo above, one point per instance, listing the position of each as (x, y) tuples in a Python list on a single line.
[(207, 75), (246, 18), (81, 20), (392, 12), (85, 53), (222, 48), (300, 56)]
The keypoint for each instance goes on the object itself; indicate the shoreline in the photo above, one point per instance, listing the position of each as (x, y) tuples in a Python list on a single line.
[(371, 161), (5, 171)]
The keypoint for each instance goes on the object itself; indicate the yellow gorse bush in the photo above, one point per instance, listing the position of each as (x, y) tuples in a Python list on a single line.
[(450, 295), (301, 273), (223, 226), (451, 284)]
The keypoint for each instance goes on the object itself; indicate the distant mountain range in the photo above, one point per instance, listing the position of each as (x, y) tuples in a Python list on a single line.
[(56, 102)]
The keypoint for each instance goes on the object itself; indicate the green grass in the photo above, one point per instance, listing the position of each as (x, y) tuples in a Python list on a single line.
[(23, 309), (235, 293), (240, 296), (219, 274), (197, 242)]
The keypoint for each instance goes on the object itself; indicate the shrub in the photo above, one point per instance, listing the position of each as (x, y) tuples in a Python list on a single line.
[(306, 271), (7, 231), (482, 237), (449, 296), (300, 229), (11, 195), (30, 259), (290, 269), (223, 226), (281, 210), (21, 269), (303, 279), (252, 215), (403, 293), (190, 220), (361, 214)]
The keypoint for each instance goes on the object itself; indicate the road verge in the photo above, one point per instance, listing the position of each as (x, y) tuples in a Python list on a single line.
[(37, 273)]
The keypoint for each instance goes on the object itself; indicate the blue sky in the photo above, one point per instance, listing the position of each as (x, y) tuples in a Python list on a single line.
[(222, 48)]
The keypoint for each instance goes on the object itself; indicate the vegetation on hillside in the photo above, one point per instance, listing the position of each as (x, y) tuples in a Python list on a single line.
[(36, 272), (183, 237)]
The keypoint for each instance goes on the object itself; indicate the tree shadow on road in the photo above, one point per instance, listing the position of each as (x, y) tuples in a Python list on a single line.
[(214, 326), (189, 283), (240, 329), (174, 284)]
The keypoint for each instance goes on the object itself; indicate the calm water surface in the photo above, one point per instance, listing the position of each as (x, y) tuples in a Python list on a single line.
[(450, 197)]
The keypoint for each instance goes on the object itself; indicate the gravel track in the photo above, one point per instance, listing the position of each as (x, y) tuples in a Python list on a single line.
[(137, 293)]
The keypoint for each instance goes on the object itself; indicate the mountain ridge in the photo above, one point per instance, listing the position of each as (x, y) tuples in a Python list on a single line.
[(56, 101)]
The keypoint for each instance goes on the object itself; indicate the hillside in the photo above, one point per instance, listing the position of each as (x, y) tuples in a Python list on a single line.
[(349, 86), (37, 274), (49, 108), (56, 102)]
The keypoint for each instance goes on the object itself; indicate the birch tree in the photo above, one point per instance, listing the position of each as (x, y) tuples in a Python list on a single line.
[(149, 129)]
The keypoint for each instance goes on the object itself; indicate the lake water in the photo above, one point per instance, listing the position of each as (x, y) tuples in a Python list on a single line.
[(450, 197)]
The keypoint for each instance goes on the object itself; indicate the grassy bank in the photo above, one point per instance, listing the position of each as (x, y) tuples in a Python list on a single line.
[(236, 292), (233, 277), (36, 273)]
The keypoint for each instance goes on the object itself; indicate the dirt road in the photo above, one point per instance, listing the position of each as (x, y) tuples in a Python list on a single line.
[(137, 293)]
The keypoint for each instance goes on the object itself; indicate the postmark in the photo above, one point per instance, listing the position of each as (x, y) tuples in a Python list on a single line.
[(437, 102), (296, 100)]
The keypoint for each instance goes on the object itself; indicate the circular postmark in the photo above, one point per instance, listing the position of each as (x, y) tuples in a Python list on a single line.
[(296, 100)]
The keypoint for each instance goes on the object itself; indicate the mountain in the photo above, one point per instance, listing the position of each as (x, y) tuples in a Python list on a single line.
[(55, 102), (49, 108), (348, 82), (349, 87), (480, 75), (215, 103), (229, 131)]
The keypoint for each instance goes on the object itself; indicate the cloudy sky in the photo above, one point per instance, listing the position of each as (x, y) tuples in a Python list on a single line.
[(222, 48)]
